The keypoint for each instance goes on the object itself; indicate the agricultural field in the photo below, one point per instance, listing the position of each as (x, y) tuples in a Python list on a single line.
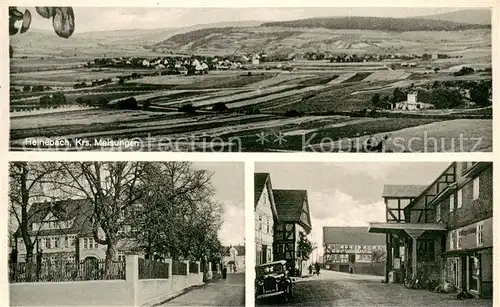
[(307, 105)]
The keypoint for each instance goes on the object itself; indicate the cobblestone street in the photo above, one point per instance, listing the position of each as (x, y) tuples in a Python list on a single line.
[(343, 289)]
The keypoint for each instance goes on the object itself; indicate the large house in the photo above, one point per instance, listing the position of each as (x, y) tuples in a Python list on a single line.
[(353, 249), (280, 217), (265, 217), (62, 230), (447, 230), (411, 103)]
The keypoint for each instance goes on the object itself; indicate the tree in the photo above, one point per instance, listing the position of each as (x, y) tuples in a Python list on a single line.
[(27, 184), (180, 217), (480, 94), (45, 101), (58, 99), (398, 95), (436, 70), (444, 98), (113, 188), (376, 100), (26, 88), (305, 248)]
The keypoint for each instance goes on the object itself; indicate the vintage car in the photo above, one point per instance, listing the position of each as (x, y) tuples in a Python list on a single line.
[(273, 280)]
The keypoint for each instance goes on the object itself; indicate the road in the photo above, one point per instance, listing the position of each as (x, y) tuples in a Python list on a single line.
[(229, 292), (343, 289)]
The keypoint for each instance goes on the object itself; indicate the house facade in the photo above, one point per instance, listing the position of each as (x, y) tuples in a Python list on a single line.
[(411, 103), (294, 218), (447, 231), (353, 249), (265, 217), (235, 258), (62, 230)]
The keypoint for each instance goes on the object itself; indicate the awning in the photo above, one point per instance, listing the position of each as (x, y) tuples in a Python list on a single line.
[(412, 229), (464, 252)]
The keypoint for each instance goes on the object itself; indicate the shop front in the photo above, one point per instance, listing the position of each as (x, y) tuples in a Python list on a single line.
[(470, 258)]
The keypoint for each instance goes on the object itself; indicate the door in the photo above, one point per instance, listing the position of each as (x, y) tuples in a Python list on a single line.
[(463, 282), (473, 273), (264, 253)]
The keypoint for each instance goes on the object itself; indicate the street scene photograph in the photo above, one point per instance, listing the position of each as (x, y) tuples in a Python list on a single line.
[(126, 234), (374, 234), (255, 79)]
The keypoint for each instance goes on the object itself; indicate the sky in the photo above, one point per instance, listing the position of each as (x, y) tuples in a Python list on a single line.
[(89, 19), (228, 181), (347, 194)]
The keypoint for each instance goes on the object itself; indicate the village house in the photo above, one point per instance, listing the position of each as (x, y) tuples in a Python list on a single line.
[(411, 103), (294, 217), (446, 232), (354, 250), (234, 258), (62, 230), (265, 217), (255, 59)]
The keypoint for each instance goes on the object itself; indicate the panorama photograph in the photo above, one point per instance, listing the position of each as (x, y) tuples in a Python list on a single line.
[(326, 79)]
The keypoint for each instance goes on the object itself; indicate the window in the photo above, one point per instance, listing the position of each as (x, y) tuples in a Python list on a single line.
[(85, 243), (55, 242), (452, 202), (47, 243), (121, 256), (475, 188), (438, 212), (459, 240), (71, 258), (479, 234), (268, 226), (452, 240), (91, 242), (459, 199)]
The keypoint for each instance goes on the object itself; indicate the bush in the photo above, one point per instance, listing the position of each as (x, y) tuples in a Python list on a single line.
[(464, 71), (26, 88), (145, 105), (293, 113), (127, 104), (58, 99), (188, 108), (45, 101), (220, 107), (37, 88)]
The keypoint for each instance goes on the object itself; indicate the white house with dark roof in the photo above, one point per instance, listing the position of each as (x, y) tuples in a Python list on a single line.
[(265, 218), (234, 258), (353, 248), (62, 230)]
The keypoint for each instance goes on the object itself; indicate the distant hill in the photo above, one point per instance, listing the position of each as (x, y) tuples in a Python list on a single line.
[(289, 40), (376, 23), (472, 16)]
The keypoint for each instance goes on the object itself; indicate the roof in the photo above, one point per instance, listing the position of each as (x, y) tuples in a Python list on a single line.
[(403, 190), (239, 248), (290, 204), (351, 235), (79, 210), (259, 182)]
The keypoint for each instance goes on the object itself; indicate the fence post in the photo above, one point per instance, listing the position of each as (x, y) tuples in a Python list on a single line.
[(187, 267), (132, 276), (199, 266), (169, 261)]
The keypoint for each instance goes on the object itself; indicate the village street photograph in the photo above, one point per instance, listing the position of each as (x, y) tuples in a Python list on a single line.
[(374, 234), (254, 79), (126, 234)]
